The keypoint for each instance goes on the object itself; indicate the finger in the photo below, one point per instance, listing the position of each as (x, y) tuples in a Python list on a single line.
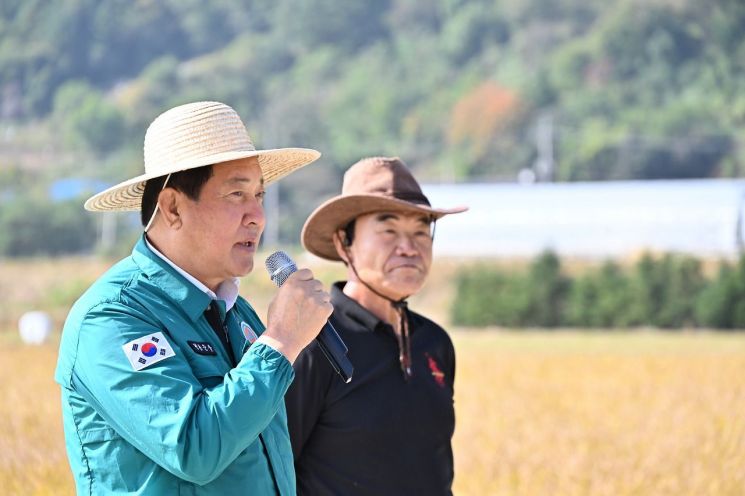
[(321, 296), (303, 275)]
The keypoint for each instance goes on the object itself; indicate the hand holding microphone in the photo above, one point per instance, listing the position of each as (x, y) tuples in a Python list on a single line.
[(302, 306)]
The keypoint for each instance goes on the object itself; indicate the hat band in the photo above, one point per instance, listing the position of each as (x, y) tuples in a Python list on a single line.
[(411, 197)]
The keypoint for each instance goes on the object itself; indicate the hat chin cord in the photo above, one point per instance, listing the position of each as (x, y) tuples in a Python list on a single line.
[(401, 307), (155, 210)]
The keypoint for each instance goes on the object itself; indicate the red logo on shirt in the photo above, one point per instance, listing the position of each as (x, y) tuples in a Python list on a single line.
[(438, 374)]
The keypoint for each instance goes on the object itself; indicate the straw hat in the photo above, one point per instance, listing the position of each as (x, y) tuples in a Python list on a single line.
[(373, 184), (191, 136)]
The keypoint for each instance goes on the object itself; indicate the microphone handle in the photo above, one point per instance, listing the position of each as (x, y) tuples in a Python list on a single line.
[(280, 266), (335, 351)]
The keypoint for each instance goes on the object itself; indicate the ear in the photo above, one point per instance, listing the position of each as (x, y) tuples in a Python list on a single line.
[(169, 204), (340, 239)]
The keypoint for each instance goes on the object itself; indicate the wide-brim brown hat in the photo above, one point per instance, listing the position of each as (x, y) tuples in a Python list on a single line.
[(191, 136), (375, 184)]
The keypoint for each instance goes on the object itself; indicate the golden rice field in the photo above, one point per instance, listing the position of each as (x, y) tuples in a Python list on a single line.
[(538, 413)]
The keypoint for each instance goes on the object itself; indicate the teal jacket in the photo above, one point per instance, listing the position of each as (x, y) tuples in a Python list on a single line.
[(151, 401)]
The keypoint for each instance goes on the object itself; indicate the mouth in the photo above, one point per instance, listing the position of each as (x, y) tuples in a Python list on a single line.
[(247, 244), (408, 267)]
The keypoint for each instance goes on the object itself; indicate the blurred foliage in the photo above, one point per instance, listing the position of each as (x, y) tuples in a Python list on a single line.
[(667, 291), (34, 225), (600, 299), (722, 303), (547, 290), (86, 119), (635, 88), (486, 297), (664, 291)]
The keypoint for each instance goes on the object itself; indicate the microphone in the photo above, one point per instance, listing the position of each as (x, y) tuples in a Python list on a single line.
[(280, 266)]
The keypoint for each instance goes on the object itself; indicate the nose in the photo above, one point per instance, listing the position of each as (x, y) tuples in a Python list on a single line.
[(254, 214), (407, 246)]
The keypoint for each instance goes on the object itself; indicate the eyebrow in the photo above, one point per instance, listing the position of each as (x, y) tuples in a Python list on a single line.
[(385, 216)]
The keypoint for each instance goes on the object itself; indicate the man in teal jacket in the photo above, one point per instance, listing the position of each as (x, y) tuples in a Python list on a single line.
[(170, 382)]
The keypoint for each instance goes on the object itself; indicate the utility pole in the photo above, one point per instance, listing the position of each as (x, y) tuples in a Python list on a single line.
[(271, 209), (544, 142)]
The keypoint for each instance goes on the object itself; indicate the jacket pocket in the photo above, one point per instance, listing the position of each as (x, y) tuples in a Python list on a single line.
[(97, 435)]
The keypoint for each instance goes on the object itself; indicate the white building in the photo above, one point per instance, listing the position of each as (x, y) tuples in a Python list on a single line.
[(591, 219)]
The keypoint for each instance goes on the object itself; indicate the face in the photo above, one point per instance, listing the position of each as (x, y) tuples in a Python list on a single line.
[(392, 252), (220, 231)]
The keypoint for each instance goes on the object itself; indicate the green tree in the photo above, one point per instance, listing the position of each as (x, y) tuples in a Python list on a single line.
[(665, 291), (721, 305), (600, 298), (548, 288), (87, 119), (487, 297)]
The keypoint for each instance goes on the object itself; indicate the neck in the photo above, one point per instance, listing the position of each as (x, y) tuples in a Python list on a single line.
[(374, 303), (172, 253)]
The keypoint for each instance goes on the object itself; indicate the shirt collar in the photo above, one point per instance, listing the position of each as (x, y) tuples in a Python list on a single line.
[(226, 291), (352, 309)]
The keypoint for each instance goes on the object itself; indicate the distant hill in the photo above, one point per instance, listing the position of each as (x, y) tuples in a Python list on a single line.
[(473, 90)]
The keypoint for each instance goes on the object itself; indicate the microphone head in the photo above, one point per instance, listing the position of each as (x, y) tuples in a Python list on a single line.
[(280, 266)]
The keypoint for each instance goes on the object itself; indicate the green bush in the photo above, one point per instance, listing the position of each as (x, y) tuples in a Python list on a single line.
[(721, 305), (488, 297), (666, 292), (600, 299), (547, 289)]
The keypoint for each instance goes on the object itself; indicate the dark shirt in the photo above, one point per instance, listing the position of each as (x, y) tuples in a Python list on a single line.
[(379, 434)]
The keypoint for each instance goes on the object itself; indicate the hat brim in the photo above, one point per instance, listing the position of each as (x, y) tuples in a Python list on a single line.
[(335, 213), (275, 164)]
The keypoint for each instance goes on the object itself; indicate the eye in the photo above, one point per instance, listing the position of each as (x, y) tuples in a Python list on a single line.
[(260, 195), (237, 194)]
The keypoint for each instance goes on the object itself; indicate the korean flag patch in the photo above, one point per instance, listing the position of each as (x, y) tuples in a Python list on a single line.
[(249, 333), (147, 350)]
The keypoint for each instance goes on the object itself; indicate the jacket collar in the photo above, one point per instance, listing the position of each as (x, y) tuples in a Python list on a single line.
[(193, 300)]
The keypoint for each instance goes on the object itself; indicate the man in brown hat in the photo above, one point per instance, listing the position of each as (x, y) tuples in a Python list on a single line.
[(170, 384), (389, 430)]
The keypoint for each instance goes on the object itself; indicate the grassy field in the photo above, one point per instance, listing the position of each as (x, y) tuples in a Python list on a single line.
[(600, 414), (538, 413)]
